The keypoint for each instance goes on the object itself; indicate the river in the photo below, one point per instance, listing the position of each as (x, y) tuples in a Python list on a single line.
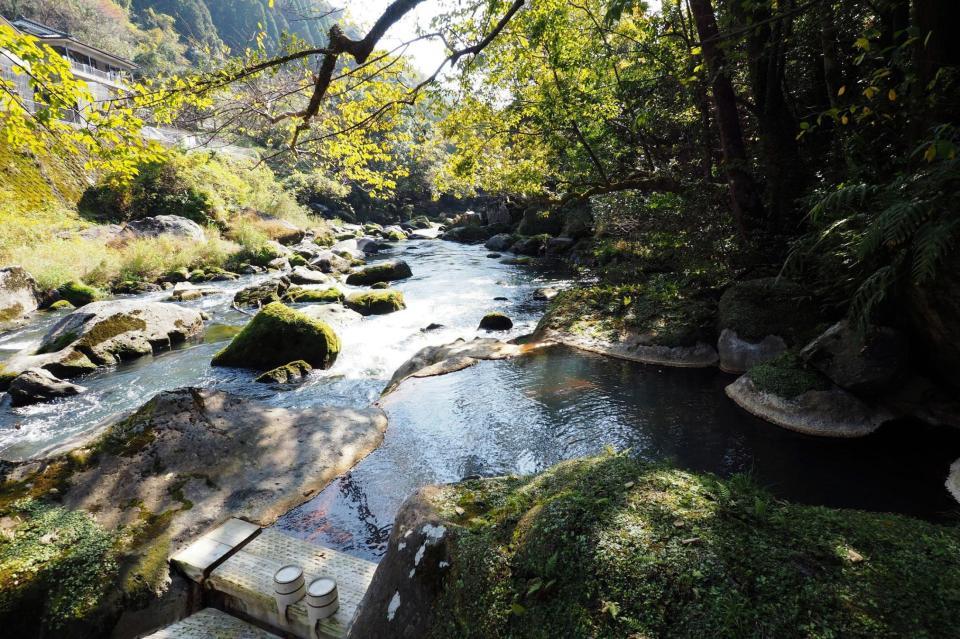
[(512, 416)]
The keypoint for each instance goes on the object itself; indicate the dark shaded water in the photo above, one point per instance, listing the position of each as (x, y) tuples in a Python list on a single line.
[(523, 415)]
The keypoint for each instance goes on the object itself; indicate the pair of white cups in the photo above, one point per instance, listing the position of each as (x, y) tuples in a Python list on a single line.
[(321, 597)]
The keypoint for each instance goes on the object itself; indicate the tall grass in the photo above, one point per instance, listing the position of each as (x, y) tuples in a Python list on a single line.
[(99, 263)]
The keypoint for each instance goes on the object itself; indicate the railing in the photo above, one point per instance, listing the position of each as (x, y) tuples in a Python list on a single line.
[(113, 76)]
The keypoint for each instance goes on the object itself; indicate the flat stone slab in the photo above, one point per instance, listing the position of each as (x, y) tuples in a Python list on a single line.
[(247, 580), (200, 557), (211, 623), (700, 355)]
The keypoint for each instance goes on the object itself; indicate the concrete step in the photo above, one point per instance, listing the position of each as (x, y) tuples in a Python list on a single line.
[(246, 581), (210, 623)]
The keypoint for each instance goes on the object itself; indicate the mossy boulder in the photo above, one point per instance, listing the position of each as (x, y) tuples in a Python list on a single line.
[(380, 285), (61, 305), (380, 272), (80, 294), (261, 294), (496, 322), (288, 373), (757, 308), (297, 260), (395, 235), (611, 546), (297, 295), (469, 234), (379, 302), (787, 376), (278, 335)]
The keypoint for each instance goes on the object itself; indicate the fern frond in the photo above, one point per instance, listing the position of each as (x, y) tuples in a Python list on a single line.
[(872, 292), (930, 247), (853, 197)]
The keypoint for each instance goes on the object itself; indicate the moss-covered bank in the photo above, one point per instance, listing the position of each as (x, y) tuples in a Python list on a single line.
[(612, 547)]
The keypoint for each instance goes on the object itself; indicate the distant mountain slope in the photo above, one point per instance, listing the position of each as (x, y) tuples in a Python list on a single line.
[(237, 22)]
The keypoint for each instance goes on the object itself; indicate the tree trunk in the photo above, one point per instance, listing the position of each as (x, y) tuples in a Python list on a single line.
[(744, 192)]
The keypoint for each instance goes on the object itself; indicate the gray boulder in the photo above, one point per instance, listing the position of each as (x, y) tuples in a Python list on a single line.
[(499, 242), (36, 385), (349, 248), (558, 245), (498, 214), (865, 362), (739, 355), (330, 262), (166, 225), (304, 275), (105, 333), (545, 293), (368, 245), (529, 246), (261, 294), (19, 294)]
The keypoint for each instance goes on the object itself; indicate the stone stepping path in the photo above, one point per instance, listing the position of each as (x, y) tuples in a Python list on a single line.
[(238, 560), (211, 623)]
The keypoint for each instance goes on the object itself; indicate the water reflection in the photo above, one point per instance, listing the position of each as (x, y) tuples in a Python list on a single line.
[(524, 415)]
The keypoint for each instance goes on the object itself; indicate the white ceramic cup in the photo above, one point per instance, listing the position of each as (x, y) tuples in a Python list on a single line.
[(288, 588)]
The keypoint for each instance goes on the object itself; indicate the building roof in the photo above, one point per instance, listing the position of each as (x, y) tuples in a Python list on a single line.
[(50, 36)]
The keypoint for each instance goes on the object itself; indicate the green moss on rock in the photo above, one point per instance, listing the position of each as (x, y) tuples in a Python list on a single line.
[(376, 302), (292, 372), (768, 306), (297, 260), (380, 272), (61, 305), (278, 335), (613, 547), (80, 294), (313, 296), (787, 376)]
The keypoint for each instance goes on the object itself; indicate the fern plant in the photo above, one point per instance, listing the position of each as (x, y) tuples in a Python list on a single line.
[(869, 238)]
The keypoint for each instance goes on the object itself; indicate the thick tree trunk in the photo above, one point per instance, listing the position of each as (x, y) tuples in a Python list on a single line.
[(744, 192), (777, 127)]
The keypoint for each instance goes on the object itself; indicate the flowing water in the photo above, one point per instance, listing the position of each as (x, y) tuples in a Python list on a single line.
[(512, 416)]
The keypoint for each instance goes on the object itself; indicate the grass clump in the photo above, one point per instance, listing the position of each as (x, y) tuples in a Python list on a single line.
[(278, 335), (787, 376), (379, 302), (613, 547)]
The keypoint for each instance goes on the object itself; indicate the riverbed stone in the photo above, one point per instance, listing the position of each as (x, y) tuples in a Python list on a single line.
[(277, 335), (468, 234), (377, 302), (864, 361), (368, 245), (530, 246), (304, 275), (330, 262), (499, 242), (739, 355), (495, 322), (387, 271), (333, 314), (288, 373), (105, 333), (158, 225), (349, 249), (430, 233), (262, 293), (19, 294), (545, 293), (80, 294), (825, 413), (301, 295), (36, 385), (448, 358), (559, 245)]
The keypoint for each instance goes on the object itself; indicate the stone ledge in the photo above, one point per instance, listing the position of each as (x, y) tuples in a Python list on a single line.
[(831, 413), (211, 623)]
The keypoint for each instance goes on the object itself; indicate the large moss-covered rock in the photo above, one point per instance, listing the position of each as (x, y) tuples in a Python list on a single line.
[(864, 361), (380, 272), (19, 294), (613, 547), (80, 294), (278, 335), (379, 302), (106, 333)]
